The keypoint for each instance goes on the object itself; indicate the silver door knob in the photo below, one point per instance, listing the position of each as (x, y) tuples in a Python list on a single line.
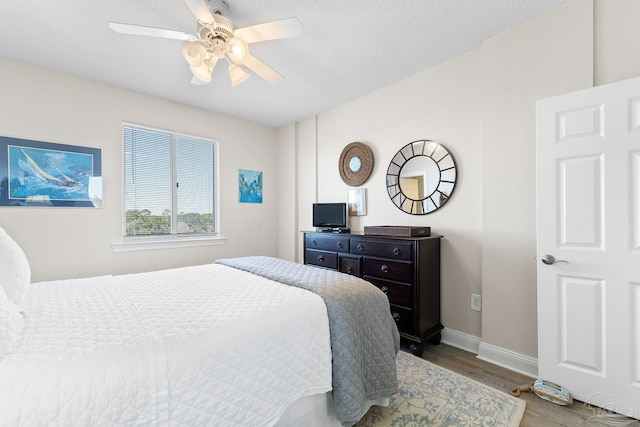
[(550, 259)]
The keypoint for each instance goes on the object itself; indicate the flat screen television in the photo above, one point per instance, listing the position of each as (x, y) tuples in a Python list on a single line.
[(330, 215)]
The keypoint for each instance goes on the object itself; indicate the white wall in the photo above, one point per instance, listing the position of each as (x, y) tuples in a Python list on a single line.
[(617, 51), (48, 106), (545, 56), (481, 105), (287, 192), (306, 176), (442, 103)]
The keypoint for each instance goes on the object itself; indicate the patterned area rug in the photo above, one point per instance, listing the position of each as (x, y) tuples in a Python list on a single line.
[(433, 396)]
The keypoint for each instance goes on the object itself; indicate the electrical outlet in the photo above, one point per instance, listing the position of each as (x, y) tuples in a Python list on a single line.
[(476, 302)]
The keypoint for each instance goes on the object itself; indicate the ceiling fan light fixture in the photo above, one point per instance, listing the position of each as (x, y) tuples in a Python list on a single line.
[(197, 82), (237, 50), (238, 75), (218, 38), (194, 53), (203, 71)]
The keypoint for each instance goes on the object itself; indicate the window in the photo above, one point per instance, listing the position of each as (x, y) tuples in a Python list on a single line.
[(168, 184)]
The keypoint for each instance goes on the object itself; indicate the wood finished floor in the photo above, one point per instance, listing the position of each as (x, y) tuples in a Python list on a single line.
[(538, 413)]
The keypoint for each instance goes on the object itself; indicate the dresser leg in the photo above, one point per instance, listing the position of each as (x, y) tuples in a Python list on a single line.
[(416, 349), (436, 338)]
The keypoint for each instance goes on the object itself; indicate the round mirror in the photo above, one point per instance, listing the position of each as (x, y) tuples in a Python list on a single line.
[(421, 177)]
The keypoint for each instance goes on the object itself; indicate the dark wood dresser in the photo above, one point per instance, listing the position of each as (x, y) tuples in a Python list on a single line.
[(406, 269)]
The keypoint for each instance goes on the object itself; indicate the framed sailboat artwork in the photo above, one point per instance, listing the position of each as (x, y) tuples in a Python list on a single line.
[(37, 173)]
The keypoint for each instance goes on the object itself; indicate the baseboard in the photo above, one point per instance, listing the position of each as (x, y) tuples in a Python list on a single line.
[(509, 359), (498, 356), (457, 339)]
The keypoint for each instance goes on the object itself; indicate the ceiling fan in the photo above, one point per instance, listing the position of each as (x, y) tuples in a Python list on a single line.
[(218, 38)]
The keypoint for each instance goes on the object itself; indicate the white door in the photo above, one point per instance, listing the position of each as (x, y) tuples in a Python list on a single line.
[(588, 178)]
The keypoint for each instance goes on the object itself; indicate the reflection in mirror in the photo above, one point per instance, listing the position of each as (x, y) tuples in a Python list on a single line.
[(420, 173), (421, 177), (355, 164)]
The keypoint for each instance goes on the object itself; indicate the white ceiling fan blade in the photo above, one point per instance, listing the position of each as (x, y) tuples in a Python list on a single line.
[(283, 28), (263, 70), (200, 10), (139, 30)]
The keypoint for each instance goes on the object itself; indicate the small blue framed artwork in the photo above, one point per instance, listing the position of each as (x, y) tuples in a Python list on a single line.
[(37, 173), (250, 186)]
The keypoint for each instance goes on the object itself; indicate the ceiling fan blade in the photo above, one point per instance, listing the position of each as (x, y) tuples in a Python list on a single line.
[(263, 70), (200, 10), (283, 28), (139, 30)]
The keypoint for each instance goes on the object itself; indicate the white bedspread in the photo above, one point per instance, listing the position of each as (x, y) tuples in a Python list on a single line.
[(205, 345)]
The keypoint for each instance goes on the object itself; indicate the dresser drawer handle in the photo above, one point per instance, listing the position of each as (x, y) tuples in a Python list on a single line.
[(396, 317), (396, 251), (360, 247), (385, 290), (339, 245), (320, 258), (349, 270), (384, 268), (314, 243)]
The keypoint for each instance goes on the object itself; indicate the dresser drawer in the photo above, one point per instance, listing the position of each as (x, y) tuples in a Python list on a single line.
[(394, 249), (406, 269), (322, 258), (328, 243), (398, 271), (350, 265), (397, 293), (404, 318)]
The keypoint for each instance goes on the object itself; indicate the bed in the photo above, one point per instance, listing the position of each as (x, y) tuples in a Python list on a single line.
[(252, 341)]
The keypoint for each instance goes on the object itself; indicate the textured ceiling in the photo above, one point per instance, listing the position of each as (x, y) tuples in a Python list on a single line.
[(348, 48)]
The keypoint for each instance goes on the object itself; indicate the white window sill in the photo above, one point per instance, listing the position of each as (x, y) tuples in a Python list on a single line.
[(150, 243)]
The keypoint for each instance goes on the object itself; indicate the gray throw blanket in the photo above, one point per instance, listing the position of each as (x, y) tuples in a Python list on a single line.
[(364, 336)]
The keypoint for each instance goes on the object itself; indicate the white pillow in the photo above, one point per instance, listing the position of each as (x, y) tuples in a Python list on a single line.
[(15, 274), (11, 323)]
